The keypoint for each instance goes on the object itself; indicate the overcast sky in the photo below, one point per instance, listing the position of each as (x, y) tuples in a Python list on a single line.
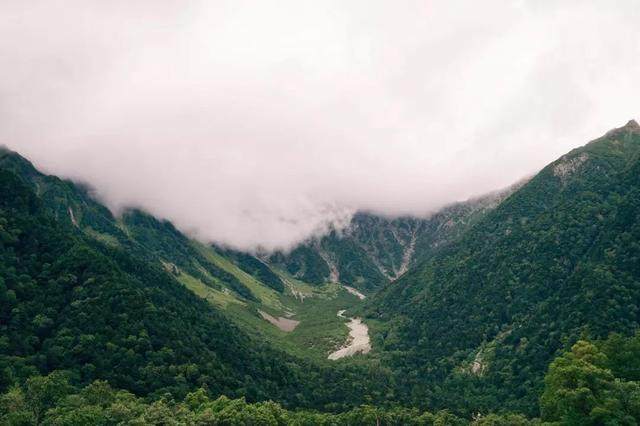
[(259, 122)]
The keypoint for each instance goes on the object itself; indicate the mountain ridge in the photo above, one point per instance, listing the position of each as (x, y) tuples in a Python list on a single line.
[(555, 260)]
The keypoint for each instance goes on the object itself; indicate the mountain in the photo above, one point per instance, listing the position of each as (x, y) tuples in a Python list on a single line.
[(133, 301), (135, 231), (74, 304), (374, 250), (477, 324)]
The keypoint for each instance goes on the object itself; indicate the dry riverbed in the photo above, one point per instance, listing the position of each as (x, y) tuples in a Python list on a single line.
[(358, 339)]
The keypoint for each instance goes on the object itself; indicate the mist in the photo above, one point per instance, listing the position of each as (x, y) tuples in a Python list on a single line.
[(261, 123)]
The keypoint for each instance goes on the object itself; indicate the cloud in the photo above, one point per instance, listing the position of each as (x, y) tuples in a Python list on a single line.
[(258, 123)]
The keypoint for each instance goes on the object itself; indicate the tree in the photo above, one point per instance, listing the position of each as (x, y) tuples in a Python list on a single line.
[(581, 390), (44, 392), (13, 408)]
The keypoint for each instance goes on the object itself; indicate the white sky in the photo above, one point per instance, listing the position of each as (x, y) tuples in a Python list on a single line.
[(258, 122)]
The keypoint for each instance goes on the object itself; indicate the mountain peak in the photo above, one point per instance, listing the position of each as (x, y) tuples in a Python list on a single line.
[(632, 126)]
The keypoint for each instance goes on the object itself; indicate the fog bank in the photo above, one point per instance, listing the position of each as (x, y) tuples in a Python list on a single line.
[(259, 123)]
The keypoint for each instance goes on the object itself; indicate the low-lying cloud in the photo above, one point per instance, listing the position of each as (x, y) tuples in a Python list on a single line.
[(258, 123)]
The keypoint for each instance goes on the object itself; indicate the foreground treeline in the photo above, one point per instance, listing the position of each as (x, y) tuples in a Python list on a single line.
[(51, 400), (592, 384)]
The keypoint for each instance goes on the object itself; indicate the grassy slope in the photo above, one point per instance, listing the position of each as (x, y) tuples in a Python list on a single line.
[(267, 296), (211, 295), (320, 330)]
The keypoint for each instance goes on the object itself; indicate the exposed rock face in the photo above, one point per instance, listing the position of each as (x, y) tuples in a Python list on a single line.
[(72, 217), (568, 166), (632, 126), (375, 250)]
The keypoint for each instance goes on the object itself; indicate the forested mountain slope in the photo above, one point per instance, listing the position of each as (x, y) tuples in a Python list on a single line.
[(476, 325), (101, 309), (71, 303), (135, 231)]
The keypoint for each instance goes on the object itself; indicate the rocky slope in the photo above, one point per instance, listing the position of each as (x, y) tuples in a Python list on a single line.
[(374, 250)]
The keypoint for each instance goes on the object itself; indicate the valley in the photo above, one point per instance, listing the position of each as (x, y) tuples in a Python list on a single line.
[(485, 306), (319, 213), (301, 319), (317, 330)]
